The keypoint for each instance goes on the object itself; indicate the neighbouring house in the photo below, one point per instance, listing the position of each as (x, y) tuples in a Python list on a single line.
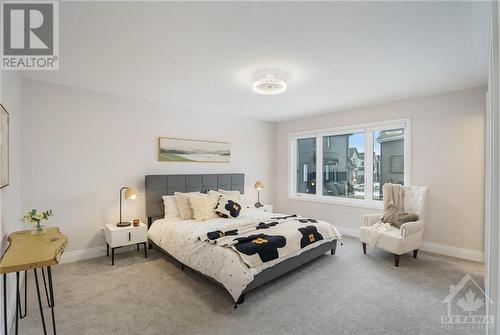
[(391, 159)]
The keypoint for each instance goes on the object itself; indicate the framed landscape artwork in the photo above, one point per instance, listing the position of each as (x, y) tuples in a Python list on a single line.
[(4, 147), (183, 150)]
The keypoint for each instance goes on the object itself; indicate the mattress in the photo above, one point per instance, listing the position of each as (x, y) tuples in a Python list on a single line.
[(180, 238)]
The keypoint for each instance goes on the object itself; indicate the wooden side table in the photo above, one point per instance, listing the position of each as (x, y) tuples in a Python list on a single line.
[(31, 252), (117, 237)]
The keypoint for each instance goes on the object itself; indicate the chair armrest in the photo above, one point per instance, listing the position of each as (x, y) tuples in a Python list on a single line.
[(411, 227), (371, 219)]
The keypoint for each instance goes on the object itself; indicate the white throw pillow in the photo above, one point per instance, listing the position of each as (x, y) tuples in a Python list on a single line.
[(182, 201), (239, 198), (203, 205), (171, 209), (228, 206)]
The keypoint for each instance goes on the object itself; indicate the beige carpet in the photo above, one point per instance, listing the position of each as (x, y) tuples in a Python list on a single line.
[(349, 293)]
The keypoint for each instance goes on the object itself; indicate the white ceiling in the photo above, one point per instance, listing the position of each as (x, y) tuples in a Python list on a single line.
[(333, 56)]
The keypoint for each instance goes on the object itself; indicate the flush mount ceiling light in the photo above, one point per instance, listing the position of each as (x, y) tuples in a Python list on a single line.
[(269, 85)]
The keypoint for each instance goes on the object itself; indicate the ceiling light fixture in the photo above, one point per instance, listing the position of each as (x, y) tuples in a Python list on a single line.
[(269, 85)]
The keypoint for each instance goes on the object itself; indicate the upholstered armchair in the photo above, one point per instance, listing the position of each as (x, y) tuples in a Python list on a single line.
[(398, 241)]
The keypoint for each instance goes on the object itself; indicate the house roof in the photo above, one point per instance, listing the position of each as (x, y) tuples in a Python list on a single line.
[(390, 135), (351, 151)]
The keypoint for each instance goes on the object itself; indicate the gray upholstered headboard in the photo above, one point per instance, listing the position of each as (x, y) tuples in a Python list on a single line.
[(160, 185)]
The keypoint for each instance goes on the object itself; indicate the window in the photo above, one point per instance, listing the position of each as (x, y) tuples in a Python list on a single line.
[(388, 159), (343, 169), (306, 165), (333, 165)]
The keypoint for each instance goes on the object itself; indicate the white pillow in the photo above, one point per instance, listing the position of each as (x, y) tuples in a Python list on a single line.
[(203, 205), (228, 207), (239, 198), (171, 209), (182, 201)]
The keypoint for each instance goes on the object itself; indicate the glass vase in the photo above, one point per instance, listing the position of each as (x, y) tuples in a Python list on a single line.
[(39, 229)]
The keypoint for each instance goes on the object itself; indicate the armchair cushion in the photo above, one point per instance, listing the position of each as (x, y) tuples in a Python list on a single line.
[(397, 217)]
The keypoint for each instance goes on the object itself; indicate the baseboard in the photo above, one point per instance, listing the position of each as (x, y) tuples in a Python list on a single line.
[(437, 248), (81, 254), (78, 255), (348, 231), (448, 250)]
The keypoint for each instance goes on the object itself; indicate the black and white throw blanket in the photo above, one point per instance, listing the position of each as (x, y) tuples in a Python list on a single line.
[(264, 241)]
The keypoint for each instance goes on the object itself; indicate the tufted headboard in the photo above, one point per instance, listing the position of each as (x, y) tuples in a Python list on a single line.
[(160, 185)]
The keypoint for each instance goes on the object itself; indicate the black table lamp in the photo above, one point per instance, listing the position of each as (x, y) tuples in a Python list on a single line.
[(130, 194), (259, 186)]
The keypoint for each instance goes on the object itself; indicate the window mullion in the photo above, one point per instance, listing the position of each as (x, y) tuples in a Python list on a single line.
[(368, 165), (319, 165), (292, 168)]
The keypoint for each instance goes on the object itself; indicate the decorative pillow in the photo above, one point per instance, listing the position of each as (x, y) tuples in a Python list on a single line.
[(236, 195), (203, 205), (397, 217), (182, 201), (171, 209), (228, 207)]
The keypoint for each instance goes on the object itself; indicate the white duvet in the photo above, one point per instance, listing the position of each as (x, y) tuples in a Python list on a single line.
[(180, 239)]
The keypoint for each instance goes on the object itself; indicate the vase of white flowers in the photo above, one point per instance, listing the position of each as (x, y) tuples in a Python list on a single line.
[(35, 217)]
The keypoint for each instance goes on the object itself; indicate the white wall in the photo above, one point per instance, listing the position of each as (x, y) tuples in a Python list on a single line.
[(447, 155), (11, 210), (492, 199), (80, 147), (11, 195)]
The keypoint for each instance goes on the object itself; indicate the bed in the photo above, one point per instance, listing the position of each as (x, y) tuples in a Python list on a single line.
[(181, 239)]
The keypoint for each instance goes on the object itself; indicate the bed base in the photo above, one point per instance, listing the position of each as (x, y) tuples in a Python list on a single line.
[(272, 272)]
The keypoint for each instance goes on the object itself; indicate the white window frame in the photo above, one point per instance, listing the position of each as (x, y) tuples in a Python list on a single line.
[(367, 129)]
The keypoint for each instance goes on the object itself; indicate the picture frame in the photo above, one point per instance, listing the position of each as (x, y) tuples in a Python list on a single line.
[(4, 147), (171, 149)]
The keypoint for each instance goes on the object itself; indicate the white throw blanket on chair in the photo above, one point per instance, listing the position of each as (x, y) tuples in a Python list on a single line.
[(394, 195)]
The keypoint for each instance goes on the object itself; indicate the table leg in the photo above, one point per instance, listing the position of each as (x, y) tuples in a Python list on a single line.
[(107, 249), (145, 250), (17, 300), (137, 245), (39, 301), (49, 302), (5, 303), (51, 289), (112, 256), (22, 316)]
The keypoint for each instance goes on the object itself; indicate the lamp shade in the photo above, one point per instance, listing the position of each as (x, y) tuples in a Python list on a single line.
[(131, 193), (259, 185)]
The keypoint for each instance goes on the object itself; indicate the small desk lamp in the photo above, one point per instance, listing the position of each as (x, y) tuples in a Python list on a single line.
[(130, 194), (259, 186)]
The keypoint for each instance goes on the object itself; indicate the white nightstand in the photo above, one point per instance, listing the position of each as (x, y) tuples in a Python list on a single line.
[(265, 208), (117, 237)]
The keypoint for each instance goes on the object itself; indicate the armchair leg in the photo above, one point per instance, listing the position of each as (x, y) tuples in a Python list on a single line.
[(396, 260), (364, 247), (415, 253)]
